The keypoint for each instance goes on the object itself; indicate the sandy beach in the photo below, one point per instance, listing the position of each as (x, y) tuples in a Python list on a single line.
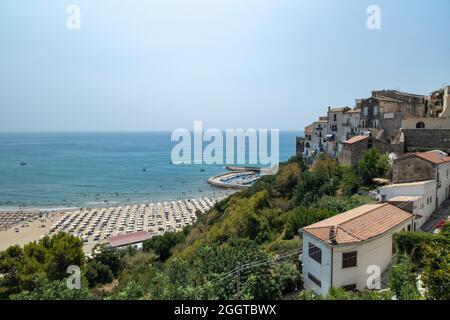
[(29, 230), (95, 225)]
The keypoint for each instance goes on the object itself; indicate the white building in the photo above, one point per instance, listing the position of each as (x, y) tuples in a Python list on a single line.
[(344, 250), (418, 198), (343, 123), (316, 137), (350, 124)]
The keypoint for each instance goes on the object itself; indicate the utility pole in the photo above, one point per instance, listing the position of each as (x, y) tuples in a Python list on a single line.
[(238, 281)]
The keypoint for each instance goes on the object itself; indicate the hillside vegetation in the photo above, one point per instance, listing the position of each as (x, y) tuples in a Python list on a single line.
[(251, 237)]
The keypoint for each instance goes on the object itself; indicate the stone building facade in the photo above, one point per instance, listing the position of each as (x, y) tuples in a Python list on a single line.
[(427, 139), (300, 146), (390, 117), (425, 166), (353, 149)]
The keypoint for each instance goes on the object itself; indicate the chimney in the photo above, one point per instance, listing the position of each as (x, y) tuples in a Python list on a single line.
[(332, 235)]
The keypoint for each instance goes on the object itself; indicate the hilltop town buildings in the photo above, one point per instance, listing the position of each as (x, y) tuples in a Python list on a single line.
[(394, 122), (316, 137)]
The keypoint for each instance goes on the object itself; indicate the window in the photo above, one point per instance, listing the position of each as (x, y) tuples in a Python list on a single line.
[(375, 111), (315, 280), (315, 253), (350, 287), (420, 125), (365, 111), (334, 117), (349, 259), (409, 228)]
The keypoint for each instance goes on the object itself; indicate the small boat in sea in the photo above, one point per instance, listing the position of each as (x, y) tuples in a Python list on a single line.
[(23, 163), (202, 170), (144, 170)]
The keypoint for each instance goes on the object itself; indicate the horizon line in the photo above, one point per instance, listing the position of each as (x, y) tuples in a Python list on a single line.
[(125, 131)]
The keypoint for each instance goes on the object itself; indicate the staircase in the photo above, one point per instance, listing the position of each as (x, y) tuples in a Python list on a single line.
[(442, 212)]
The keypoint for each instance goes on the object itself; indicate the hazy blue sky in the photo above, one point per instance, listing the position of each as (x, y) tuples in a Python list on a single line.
[(161, 64)]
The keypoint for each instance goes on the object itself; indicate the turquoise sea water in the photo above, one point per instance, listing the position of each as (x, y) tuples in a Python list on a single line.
[(93, 169)]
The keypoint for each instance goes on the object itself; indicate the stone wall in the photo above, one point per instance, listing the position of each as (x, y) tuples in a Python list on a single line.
[(427, 139), (352, 153), (428, 123), (413, 168)]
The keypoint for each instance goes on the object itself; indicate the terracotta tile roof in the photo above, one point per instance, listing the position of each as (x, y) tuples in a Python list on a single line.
[(359, 224), (129, 238), (432, 156), (355, 139)]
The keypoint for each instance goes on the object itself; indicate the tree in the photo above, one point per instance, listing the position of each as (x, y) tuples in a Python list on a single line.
[(97, 273), (110, 257), (10, 265), (436, 274), (350, 182), (403, 279), (48, 258), (314, 185), (45, 289), (62, 251), (372, 165), (162, 245), (287, 178), (414, 244)]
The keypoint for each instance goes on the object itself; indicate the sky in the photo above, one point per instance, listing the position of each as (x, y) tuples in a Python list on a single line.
[(143, 65)]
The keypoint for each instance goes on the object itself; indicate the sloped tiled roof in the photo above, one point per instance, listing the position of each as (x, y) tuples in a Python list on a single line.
[(356, 139), (433, 157), (359, 224), (129, 238)]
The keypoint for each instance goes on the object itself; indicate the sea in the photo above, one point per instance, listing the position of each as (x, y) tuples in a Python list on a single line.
[(68, 170)]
